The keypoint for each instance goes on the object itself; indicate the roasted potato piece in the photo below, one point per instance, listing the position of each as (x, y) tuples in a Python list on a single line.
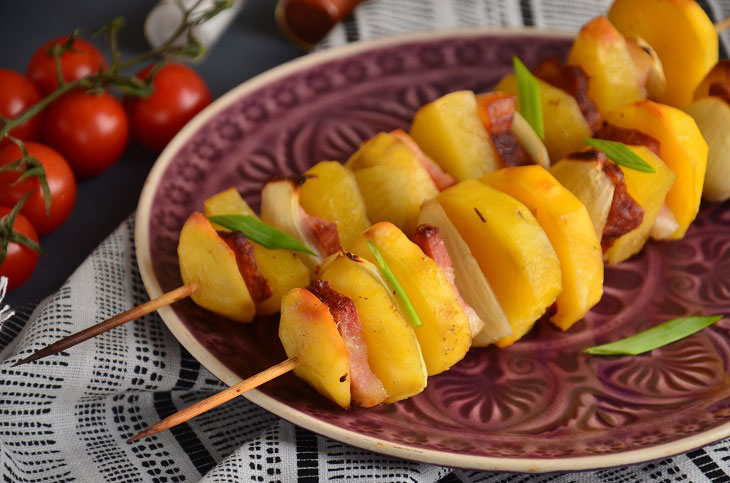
[(682, 148), (450, 131), (395, 194), (445, 336), (712, 116), (512, 250), (282, 269), (568, 227), (603, 55), (680, 32), (649, 190), (565, 126), (308, 332), (206, 260), (332, 193), (393, 351)]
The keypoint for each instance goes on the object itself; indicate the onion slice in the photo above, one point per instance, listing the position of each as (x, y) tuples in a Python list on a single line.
[(280, 209), (665, 224), (530, 141), (470, 281), (587, 181)]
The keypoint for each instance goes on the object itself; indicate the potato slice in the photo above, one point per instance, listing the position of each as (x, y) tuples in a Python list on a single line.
[(395, 194), (445, 336), (282, 269), (565, 126), (649, 190), (712, 116), (603, 55), (450, 131), (308, 332), (332, 193), (682, 148), (682, 35), (393, 351), (568, 227), (587, 181), (512, 250), (206, 260)]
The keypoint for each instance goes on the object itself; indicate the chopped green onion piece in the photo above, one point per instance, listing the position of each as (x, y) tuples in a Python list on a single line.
[(259, 232), (397, 287), (529, 94), (655, 337), (620, 154)]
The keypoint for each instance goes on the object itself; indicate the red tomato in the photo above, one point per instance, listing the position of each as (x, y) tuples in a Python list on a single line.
[(89, 130), (20, 261), (83, 60), (18, 94), (180, 93), (60, 181)]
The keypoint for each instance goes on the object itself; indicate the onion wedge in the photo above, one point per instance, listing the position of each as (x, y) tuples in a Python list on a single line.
[(470, 281), (530, 141), (587, 181), (280, 208), (665, 224)]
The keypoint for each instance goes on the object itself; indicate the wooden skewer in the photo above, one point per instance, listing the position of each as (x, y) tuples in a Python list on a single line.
[(119, 319), (217, 399), (722, 25)]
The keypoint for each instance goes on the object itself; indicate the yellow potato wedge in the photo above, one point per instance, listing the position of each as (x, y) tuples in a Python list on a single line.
[(682, 148), (331, 192), (680, 32), (603, 55), (206, 260), (445, 336), (308, 332), (649, 190), (450, 131), (568, 227), (393, 351), (282, 269), (512, 250)]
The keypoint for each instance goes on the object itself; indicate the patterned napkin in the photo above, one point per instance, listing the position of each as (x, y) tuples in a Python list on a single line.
[(67, 418)]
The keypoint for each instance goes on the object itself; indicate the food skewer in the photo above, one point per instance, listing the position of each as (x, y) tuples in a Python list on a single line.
[(219, 398), (109, 324)]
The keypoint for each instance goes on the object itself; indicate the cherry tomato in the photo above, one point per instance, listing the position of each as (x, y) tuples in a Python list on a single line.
[(90, 130), (60, 181), (20, 261), (18, 94), (83, 60), (180, 93)]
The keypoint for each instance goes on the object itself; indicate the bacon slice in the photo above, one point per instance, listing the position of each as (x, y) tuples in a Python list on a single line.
[(721, 90), (573, 80), (366, 389), (429, 240), (632, 137), (323, 232), (625, 213), (497, 112), (255, 282), (440, 178)]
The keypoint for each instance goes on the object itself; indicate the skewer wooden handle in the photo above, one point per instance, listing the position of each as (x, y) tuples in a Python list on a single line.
[(131, 314), (722, 25), (218, 399)]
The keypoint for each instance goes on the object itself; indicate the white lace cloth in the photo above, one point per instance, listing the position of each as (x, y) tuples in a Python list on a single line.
[(67, 417)]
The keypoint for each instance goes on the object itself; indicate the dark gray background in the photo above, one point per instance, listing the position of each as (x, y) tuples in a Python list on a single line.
[(251, 45)]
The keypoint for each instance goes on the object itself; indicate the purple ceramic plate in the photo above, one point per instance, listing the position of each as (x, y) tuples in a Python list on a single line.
[(536, 406)]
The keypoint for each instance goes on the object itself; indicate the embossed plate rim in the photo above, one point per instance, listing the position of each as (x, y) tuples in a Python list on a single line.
[(207, 359)]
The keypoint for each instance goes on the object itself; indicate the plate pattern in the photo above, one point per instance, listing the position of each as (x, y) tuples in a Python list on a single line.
[(537, 399)]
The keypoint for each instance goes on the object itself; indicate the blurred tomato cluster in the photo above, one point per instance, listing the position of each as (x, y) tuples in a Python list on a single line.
[(81, 133)]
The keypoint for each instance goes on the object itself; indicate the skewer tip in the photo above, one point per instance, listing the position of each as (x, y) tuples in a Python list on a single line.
[(33, 357)]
